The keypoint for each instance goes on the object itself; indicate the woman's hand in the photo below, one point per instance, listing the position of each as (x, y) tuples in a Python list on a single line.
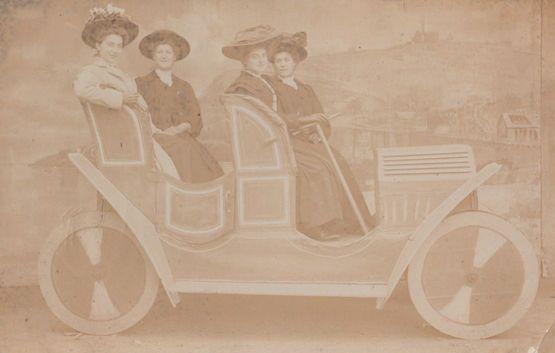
[(314, 138), (184, 127), (130, 98), (174, 130), (155, 129)]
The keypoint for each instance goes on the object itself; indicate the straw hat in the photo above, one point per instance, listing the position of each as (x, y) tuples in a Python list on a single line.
[(248, 39), (179, 44), (292, 43), (108, 20)]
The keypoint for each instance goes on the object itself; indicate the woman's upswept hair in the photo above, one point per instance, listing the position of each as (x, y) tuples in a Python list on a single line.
[(293, 44), (285, 48)]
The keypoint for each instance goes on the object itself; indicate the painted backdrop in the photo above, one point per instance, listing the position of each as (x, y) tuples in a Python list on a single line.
[(400, 72)]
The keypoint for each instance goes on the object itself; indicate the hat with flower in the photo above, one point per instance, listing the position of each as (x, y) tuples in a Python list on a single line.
[(291, 43), (108, 20)]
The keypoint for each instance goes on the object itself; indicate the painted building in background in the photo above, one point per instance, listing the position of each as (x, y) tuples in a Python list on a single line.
[(519, 127)]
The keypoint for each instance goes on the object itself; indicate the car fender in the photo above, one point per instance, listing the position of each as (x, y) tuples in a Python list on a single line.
[(143, 229), (431, 222)]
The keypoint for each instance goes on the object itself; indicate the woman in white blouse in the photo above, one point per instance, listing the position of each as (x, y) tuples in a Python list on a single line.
[(103, 83)]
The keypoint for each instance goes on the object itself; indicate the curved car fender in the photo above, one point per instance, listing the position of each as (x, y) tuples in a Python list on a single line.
[(431, 222), (143, 229)]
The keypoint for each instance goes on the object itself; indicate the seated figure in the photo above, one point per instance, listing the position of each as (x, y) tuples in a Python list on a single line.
[(249, 47), (174, 108), (323, 206)]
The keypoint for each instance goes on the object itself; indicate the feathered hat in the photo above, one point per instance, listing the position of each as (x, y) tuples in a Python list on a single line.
[(292, 43), (111, 19)]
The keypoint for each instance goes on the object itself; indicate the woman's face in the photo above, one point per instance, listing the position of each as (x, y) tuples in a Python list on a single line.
[(164, 57), (256, 60), (284, 64), (110, 48)]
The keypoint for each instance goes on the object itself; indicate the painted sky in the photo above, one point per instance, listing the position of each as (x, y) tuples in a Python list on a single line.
[(50, 30)]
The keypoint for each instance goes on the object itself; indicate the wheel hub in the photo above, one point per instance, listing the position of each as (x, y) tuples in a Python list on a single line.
[(99, 272), (471, 278)]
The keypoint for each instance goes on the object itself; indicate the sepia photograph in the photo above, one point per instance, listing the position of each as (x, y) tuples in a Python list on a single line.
[(277, 176)]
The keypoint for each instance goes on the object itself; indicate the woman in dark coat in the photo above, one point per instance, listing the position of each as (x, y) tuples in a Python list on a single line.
[(174, 108), (249, 47), (323, 208)]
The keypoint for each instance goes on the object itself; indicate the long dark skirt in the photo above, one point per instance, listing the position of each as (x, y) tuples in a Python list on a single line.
[(321, 199), (191, 159)]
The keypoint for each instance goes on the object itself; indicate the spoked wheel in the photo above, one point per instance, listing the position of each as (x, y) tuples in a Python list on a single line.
[(94, 276), (474, 277)]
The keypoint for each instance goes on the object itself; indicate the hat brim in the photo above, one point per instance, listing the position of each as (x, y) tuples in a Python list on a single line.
[(92, 30), (179, 44), (237, 51)]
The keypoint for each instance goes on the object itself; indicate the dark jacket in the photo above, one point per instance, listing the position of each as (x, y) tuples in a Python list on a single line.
[(251, 85), (170, 106)]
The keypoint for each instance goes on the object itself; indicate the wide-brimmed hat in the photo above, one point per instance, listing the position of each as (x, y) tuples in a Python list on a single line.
[(179, 44), (293, 43), (105, 20), (248, 39)]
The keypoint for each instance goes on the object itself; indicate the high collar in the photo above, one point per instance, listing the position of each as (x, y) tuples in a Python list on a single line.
[(165, 76), (289, 81), (103, 63)]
